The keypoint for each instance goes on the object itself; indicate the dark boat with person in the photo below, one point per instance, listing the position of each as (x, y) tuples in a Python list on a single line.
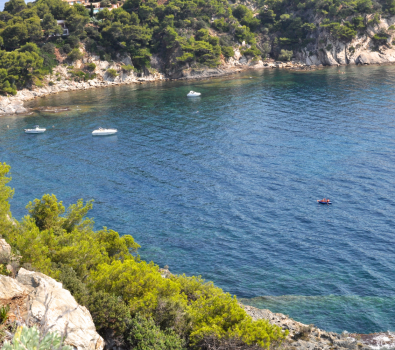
[(324, 201)]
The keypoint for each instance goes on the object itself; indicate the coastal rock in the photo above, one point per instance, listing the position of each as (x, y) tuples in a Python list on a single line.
[(362, 49), (306, 337), (5, 248), (127, 60), (48, 300), (10, 288)]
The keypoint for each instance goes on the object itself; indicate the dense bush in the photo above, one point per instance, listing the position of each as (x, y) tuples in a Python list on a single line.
[(143, 334), (74, 55), (112, 73), (91, 66), (127, 297), (29, 338), (227, 51), (285, 55)]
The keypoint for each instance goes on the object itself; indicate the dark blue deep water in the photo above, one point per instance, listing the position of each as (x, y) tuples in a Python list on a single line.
[(226, 185)]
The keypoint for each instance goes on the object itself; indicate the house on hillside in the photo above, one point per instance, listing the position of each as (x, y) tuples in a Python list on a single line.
[(62, 23), (95, 5)]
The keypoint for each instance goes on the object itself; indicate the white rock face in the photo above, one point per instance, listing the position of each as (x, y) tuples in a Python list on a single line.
[(10, 288), (62, 312), (361, 50), (5, 248)]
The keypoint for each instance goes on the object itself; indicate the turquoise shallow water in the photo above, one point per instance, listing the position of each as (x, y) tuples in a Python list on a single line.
[(226, 185)]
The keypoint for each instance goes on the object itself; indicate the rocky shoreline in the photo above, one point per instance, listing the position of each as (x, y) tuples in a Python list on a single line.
[(309, 337), (59, 81), (62, 79), (35, 298)]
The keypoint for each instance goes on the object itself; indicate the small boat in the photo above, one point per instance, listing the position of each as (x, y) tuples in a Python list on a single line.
[(193, 94), (36, 130), (104, 132), (324, 201)]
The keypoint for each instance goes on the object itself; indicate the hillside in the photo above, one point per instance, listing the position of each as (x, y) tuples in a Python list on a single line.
[(171, 37)]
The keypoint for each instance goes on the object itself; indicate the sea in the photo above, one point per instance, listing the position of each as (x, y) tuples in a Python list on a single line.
[(226, 185)]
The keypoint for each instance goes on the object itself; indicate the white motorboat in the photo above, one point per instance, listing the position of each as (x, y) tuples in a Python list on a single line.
[(193, 94), (35, 130), (104, 132)]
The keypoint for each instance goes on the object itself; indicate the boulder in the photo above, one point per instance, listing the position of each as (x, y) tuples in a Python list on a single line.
[(5, 248), (49, 301), (10, 288), (35, 279), (127, 60)]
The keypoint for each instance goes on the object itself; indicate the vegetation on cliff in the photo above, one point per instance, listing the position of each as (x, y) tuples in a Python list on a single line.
[(129, 299), (181, 33)]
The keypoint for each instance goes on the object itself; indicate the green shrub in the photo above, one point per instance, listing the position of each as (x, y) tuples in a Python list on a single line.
[(143, 334), (380, 38), (73, 284), (51, 83), (127, 68), (66, 48), (253, 51), (285, 55), (48, 48), (227, 51), (91, 66), (27, 338), (4, 310), (112, 72), (109, 313), (74, 55)]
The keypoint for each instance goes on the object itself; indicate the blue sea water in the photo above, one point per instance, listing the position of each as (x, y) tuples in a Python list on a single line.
[(225, 185)]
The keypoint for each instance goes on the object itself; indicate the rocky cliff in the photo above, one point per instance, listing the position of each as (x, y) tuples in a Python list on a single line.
[(309, 337), (363, 49), (36, 299)]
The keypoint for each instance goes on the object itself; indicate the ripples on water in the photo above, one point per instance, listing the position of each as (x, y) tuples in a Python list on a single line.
[(226, 185)]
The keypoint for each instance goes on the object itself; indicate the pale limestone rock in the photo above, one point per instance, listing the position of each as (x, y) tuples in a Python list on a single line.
[(127, 60), (62, 310), (10, 288), (5, 248), (35, 279), (20, 110)]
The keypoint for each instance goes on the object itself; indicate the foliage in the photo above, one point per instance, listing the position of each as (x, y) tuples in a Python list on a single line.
[(112, 73), (127, 68), (108, 312), (4, 310), (173, 29), (285, 55), (227, 51), (139, 283), (144, 334), (6, 193), (380, 38), (74, 55), (91, 66), (30, 339)]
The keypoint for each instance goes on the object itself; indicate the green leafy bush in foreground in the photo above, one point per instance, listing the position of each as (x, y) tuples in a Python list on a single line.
[(128, 298), (27, 338)]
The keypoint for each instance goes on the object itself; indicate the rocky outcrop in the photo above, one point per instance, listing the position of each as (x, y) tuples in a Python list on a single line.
[(309, 337), (10, 288), (49, 305), (363, 49), (5, 248)]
